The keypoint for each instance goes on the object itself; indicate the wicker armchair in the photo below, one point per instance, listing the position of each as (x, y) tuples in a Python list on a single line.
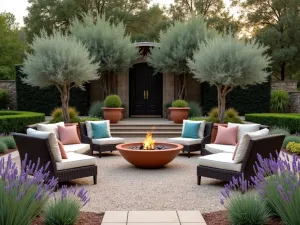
[(265, 146), (39, 148), (197, 146)]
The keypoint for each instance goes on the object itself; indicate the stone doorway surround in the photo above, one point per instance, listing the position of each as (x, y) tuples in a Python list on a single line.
[(153, 218)]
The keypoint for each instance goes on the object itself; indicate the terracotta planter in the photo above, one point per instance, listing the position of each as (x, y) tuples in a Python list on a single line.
[(179, 114), (149, 158), (215, 131), (114, 115)]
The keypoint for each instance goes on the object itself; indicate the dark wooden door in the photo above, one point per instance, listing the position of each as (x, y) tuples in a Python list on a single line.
[(145, 90)]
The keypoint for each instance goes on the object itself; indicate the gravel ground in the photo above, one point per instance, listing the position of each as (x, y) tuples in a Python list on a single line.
[(121, 186)]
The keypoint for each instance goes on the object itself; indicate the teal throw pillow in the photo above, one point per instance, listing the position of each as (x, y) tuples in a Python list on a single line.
[(100, 130), (191, 130)]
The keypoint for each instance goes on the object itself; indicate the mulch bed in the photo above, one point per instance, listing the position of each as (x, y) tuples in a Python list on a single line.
[(8, 152), (220, 218), (85, 218)]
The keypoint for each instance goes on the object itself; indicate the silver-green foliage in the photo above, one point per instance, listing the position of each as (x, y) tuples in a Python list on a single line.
[(226, 60), (247, 209), (177, 45), (58, 59), (9, 142), (108, 43)]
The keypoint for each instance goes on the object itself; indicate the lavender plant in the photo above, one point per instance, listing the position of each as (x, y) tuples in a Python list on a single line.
[(65, 209), (278, 184), (23, 196)]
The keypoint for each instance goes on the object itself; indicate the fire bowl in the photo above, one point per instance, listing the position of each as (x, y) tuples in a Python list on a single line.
[(149, 158)]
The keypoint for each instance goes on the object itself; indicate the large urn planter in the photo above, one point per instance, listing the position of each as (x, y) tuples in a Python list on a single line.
[(215, 130), (179, 114), (114, 115)]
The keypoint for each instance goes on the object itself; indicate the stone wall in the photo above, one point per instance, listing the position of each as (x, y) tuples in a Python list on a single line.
[(295, 102), (10, 86), (288, 85)]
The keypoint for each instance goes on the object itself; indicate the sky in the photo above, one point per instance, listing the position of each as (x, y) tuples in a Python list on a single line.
[(18, 7)]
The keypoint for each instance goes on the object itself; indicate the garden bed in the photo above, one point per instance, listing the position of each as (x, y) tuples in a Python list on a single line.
[(8, 152), (220, 218), (85, 218)]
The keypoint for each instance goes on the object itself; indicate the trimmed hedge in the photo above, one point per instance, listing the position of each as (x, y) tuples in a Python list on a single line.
[(254, 99), (45, 100), (17, 121), (290, 121)]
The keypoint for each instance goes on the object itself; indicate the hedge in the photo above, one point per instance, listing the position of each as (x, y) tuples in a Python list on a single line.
[(45, 100), (290, 121), (17, 121), (254, 99)]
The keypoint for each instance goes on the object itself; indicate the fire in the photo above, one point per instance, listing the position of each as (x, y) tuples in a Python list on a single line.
[(148, 143)]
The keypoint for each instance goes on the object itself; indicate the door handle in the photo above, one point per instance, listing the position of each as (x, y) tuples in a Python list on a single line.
[(145, 94)]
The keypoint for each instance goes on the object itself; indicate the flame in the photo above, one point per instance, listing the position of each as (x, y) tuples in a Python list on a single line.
[(148, 143)]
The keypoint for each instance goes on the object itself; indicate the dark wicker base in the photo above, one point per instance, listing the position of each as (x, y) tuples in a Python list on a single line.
[(191, 148), (75, 173), (103, 148), (205, 152)]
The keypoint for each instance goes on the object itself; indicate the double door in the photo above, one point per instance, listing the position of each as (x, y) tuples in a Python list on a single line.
[(145, 90)]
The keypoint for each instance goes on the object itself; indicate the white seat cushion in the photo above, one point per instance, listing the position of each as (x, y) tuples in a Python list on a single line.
[(52, 128), (75, 160), (221, 161), (217, 148), (185, 141), (89, 129), (244, 128), (108, 141), (77, 148)]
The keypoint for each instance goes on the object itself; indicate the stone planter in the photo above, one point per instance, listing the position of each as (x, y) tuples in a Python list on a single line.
[(179, 114), (114, 115), (215, 130)]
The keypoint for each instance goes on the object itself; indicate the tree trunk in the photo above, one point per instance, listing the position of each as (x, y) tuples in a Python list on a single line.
[(222, 93), (65, 102), (282, 71), (182, 90)]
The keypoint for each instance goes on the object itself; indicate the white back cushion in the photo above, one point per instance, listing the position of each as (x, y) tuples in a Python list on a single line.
[(52, 128), (244, 128), (90, 130), (54, 148), (201, 128), (242, 147)]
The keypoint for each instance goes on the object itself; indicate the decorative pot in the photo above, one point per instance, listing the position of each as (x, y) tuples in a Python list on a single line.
[(114, 115), (215, 130), (179, 114)]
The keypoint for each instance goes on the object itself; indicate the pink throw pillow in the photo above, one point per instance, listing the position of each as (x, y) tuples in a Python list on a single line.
[(68, 135), (226, 135), (62, 150)]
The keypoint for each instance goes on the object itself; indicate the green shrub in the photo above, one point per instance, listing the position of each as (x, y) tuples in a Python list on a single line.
[(279, 100), (89, 119), (247, 209), (9, 142), (17, 121), (195, 109), (64, 212), (168, 105), (57, 115), (180, 103), (3, 147), (289, 120), (293, 147), (231, 115), (197, 118), (113, 101), (289, 139), (278, 130), (3, 99), (96, 109)]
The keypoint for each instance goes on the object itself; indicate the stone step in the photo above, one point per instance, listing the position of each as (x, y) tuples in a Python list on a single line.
[(164, 134)]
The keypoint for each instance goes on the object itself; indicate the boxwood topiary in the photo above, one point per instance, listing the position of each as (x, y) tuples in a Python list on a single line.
[(180, 103), (113, 101), (9, 142), (3, 147)]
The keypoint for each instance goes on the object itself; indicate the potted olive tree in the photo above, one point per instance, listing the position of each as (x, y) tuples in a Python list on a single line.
[(112, 109), (179, 111)]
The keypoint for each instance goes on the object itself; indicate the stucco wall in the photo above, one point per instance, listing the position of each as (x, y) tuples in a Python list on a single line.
[(289, 85), (10, 86)]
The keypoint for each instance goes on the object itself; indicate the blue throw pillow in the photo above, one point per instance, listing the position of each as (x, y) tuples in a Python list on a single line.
[(191, 130), (100, 130)]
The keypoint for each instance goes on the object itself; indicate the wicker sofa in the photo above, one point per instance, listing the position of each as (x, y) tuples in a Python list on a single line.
[(76, 166), (221, 166), (194, 145)]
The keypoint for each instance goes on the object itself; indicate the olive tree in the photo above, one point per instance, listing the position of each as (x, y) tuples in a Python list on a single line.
[(227, 62), (108, 44), (60, 61), (177, 45)]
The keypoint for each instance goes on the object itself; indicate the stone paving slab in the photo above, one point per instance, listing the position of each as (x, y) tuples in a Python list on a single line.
[(153, 218)]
